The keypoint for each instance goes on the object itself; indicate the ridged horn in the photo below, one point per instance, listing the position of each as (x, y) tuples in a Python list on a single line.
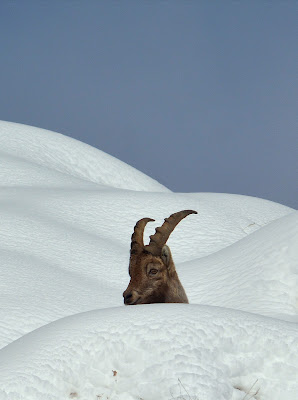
[(137, 242), (159, 239)]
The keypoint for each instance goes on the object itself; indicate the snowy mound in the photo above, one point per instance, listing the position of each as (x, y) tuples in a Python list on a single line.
[(118, 354), (64, 161), (257, 274), (67, 213)]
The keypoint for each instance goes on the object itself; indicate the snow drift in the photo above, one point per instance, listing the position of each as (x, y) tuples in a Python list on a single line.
[(67, 213)]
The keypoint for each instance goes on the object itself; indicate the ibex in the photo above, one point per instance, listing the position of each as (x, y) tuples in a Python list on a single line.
[(153, 276)]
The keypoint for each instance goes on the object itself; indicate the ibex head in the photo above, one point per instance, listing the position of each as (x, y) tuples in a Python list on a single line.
[(151, 268)]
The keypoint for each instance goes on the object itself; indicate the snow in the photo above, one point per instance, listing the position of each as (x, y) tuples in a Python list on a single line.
[(38, 157), (67, 212), (210, 349)]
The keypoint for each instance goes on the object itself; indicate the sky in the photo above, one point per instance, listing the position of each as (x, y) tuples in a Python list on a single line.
[(199, 95)]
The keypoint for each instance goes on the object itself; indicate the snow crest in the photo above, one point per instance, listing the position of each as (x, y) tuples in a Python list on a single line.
[(37, 157)]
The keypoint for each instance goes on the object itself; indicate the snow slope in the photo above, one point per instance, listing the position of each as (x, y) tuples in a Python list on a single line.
[(67, 212), (38, 157), (211, 350)]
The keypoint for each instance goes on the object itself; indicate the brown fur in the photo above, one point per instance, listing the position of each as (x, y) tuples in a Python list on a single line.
[(153, 274)]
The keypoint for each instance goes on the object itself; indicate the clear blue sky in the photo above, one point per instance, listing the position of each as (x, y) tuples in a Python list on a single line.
[(200, 95)]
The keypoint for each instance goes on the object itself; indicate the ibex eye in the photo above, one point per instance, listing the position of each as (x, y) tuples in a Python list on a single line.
[(153, 271)]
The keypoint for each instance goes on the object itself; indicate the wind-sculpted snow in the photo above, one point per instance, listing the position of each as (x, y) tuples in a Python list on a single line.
[(67, 213), (144, 352), (37, 157), (259, 273)]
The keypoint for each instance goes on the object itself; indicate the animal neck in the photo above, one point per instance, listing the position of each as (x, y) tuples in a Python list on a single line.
[(175, 292)]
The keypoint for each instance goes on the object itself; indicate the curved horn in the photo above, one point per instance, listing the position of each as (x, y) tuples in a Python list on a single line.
[(159, 239), (137, 243)]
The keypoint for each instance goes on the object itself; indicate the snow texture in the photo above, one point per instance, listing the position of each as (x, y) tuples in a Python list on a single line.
[(67, 212)]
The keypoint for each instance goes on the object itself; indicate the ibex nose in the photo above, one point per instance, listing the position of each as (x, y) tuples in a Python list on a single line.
[(127, 297)]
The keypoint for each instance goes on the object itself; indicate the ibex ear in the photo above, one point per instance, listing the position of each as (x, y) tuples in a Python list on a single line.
[(166, 255)]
